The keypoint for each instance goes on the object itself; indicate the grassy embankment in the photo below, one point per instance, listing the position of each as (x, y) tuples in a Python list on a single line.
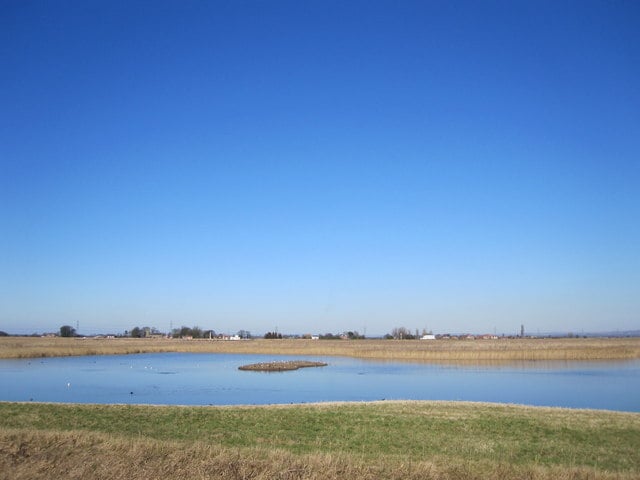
[(410, 350), (383, 440)]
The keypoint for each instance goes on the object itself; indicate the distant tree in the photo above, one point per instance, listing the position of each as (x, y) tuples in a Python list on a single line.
[(67, 331), (137, 332), (354, 335), (329, 336), (193, 332), (244, 334), (3, 334), (272, 335), (402, 333)]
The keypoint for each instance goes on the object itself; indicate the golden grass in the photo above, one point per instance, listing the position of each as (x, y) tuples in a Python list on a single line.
[(410, 350), (34, 455)]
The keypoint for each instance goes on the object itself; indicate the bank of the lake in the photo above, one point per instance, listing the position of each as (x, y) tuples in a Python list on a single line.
[(386, 440), (409, 350)]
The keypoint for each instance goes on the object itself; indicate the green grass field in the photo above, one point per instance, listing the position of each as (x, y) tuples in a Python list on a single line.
[(433, 440)]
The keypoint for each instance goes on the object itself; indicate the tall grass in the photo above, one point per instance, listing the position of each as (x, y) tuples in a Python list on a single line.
[(410, 350), (386, 440), (33, 455)]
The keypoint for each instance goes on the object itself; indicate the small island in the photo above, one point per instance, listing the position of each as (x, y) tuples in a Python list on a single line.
[(281, 366)]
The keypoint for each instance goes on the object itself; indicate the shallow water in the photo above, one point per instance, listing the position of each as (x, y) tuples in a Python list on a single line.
[(214, 379)]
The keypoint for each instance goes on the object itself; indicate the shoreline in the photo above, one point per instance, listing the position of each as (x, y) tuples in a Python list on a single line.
[(336, 404)]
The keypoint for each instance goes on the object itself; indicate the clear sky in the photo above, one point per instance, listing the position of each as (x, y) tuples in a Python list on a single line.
[(320, 166)]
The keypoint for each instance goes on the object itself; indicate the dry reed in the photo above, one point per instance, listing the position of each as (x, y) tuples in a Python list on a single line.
[(409, 350)]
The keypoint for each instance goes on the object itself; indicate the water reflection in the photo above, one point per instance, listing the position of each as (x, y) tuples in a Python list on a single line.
[(214, 379)]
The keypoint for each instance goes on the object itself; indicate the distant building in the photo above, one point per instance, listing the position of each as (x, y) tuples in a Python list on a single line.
[(428, 337), (488, 336)]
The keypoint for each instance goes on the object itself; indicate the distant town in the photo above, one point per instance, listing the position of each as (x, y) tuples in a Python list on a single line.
[(397, 333)]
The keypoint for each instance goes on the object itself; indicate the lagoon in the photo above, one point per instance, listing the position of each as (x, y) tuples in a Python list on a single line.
[(214, 379)]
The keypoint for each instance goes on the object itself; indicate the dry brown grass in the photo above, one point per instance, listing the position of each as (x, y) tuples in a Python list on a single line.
[(410, 350), (34, 455)]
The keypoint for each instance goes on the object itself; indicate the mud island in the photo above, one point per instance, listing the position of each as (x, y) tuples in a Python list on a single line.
[(281, 366)]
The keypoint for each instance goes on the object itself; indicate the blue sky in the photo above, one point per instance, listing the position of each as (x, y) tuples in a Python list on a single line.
[(320, 166)]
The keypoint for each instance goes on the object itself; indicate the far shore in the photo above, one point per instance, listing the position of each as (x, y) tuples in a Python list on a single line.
[(445, 351)]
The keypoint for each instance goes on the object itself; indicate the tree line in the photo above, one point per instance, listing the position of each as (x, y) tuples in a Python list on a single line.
[(398, 333), (403, 333)]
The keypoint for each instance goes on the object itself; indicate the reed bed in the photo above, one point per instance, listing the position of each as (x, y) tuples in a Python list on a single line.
[(379, 440), (410, 350)]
